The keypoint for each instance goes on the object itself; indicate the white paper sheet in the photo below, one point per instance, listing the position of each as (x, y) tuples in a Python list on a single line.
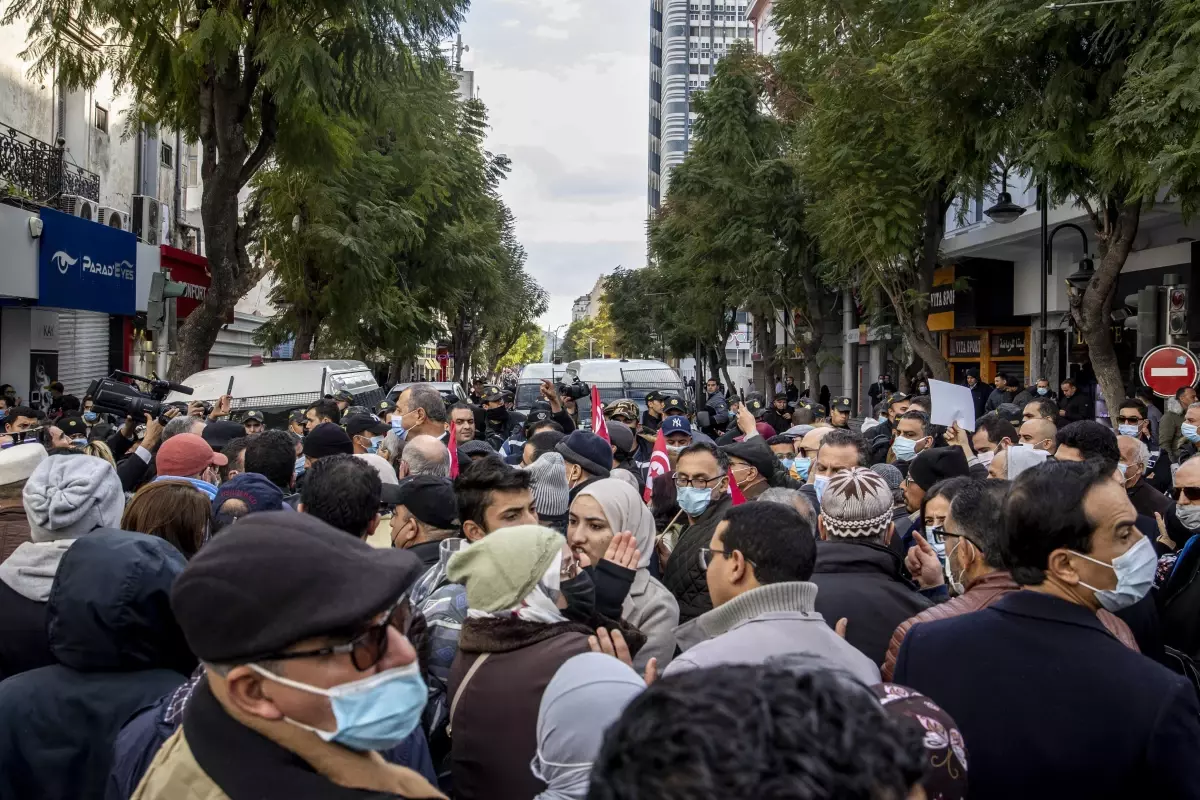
[(952, 404)]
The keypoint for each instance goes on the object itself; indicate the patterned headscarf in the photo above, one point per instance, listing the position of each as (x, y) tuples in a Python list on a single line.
[(856, 503), (944, 746)]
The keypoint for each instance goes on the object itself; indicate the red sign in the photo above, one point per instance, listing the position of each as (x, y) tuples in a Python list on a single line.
[(1167, 369), (190, 270)]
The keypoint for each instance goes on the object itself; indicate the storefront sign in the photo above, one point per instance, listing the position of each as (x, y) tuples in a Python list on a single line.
[(965, 346), (1008, 344), (192, 271), (942, 300), (87, 266)]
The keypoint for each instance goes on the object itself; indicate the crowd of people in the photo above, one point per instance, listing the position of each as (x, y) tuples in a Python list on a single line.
[(732, 596)]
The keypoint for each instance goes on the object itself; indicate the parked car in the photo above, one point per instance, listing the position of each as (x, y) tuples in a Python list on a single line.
[(450, 391), (621, 379)]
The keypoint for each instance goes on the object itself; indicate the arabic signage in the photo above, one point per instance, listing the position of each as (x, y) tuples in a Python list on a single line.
[(87, 266), (1008, 344)]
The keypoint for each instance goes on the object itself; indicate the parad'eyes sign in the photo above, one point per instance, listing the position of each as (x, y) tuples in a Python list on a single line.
[(85, 265)]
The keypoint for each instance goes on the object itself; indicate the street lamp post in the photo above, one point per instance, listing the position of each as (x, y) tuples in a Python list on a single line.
[(590, 342)]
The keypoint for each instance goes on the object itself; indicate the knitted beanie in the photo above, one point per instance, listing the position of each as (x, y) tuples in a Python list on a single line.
[(856, 502), (68, 496), (501, 569), (551, 497), (890, 473)]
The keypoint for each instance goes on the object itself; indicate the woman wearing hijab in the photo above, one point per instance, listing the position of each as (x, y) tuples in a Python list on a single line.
[(602, 510), (587, 695), (513, 642)]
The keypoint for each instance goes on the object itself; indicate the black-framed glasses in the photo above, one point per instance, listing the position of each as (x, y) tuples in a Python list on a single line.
[(698, 482), (1130, 420), (705, 552), (368, 647), (1192, 493)]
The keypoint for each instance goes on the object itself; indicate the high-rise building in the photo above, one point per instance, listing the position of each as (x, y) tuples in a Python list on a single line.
[(687, 39)]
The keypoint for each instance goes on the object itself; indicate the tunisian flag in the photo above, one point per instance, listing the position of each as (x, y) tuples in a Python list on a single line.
[(452, 442), (660, 464), (599, 426), (735, 491)]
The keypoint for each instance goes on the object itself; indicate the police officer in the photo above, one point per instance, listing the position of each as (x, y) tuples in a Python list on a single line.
[(840, 409), (253, 422), (655, 406), (502, 424), (779, 416)]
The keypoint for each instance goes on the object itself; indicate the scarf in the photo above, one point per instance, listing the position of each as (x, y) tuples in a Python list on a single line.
[(30, 570)]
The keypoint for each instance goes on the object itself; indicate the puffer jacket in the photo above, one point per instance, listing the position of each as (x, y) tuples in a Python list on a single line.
[(684, 576), (118, 649), (14, 529)]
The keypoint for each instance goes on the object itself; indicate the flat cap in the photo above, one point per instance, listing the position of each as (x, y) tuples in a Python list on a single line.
[(755, 452), (430, 499), (276, 578)]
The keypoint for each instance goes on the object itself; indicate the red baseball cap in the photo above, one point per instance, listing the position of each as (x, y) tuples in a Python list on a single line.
[(186, 455)]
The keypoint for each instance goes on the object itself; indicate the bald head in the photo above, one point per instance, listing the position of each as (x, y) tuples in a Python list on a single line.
[(425, 455), (812, 440), (1040, 433), (998, 469)]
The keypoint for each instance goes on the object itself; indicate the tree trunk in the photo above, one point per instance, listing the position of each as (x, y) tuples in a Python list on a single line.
[(306, 336), (1092, 312)]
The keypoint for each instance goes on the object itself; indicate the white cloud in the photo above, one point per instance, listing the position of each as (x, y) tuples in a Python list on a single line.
[(571, 111), (546, 32), (511, 23)]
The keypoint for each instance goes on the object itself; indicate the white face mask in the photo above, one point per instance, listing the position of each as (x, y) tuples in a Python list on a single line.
[(1135, 570), (1189, 515)]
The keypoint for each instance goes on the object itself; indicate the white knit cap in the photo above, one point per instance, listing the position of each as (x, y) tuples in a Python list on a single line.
[(856, 502), (18, 462)]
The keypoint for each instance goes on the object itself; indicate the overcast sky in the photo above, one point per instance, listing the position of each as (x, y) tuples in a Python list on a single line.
[(565, 82)]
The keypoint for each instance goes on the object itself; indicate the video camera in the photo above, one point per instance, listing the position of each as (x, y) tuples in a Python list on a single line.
[(574, 390), (111, 396)]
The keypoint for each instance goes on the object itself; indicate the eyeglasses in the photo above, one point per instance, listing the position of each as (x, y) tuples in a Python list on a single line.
[(705, 552), (1192, 493), (697, 482), (368, 647), (1130, 420)]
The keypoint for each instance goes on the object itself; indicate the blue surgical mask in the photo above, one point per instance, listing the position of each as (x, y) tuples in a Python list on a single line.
[(1135, 570), (79, 442), (787, 463), (398, 426), (299, 469), (802, 466), (1128, 430), (373, 447), (90, 416), (939, 546), (1190, 432), (905, 449), (693, 500), (374, 713), (1043, 390), (819, 483), (922, 389)]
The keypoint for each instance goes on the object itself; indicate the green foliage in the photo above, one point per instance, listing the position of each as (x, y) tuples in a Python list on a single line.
[(590, 337), (528, 350), (637, 305), (252, 81)]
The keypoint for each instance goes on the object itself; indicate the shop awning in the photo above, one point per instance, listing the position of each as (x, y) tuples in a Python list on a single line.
[(433, 365)]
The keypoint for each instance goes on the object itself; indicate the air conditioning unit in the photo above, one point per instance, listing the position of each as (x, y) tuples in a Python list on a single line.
[(113, 218), (78, 206), (147, 219)]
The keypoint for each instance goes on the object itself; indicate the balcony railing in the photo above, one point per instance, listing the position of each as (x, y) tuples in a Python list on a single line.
[(39, 169)]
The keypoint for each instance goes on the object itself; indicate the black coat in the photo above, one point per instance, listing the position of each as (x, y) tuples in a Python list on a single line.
[(23, 644), (979, 393), (683, 576), (1051, 705), (863, 583), (1077, 406), (776, 420), (118, 649)]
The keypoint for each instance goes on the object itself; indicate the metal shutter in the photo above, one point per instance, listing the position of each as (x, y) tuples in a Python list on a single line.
[(82, 349)]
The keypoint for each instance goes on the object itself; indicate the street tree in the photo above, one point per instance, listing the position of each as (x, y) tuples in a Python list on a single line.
[(528, 349), (251, 81), (1056, 115)]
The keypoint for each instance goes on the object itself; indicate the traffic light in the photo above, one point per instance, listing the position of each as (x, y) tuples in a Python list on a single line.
[(161, 290), (1144, 318), (1177, 311)]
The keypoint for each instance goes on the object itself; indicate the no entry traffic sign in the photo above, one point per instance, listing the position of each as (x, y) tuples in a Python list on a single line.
[(1167, 369)]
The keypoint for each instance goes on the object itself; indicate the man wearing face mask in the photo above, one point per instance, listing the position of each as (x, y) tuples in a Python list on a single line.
[(974, 570), (308, 669), (883, 433), (501, 423), (187, 457), (1135, 457), (1039, 433), (914, 434), (1070, 540), (677, 431), (420, 410), (702, 490), (1179, 593), (366, 432)]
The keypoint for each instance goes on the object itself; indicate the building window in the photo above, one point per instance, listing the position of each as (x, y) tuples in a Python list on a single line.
[(167, 155), (102, 118), (193, 165)]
